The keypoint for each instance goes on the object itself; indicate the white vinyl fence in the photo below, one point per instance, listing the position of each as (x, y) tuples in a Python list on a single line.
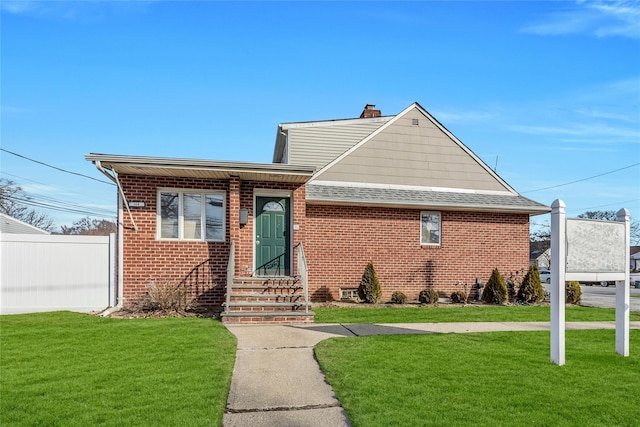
[(51, 272)]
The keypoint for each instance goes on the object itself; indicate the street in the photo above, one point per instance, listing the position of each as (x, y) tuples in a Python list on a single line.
[(597, 296)]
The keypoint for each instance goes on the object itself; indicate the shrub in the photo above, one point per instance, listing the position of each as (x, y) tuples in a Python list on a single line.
[(458, 297), (369, 290), (573, 293), (165, 296), (428, 296), (514, 282), (398, 298), (531, 290), (495, 292)]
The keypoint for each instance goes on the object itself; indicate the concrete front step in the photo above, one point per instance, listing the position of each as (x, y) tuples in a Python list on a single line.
[(264, 280), (264, 317), (266, 299), (253, 305), (265, 302)]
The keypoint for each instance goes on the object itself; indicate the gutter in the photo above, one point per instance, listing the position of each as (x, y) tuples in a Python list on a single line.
[(114, 178)]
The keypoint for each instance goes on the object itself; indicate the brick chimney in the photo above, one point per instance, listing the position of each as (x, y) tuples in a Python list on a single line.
[(370, 111)]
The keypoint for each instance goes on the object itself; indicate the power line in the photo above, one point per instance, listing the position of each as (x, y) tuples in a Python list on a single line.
[(580, 180), (62, 208), (604, 206), (55, 167)]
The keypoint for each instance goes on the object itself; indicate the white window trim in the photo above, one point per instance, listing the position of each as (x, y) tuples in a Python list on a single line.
[(181, 192), (439, 214)]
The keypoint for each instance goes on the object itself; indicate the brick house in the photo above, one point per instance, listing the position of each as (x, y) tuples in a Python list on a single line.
[(264, 239)]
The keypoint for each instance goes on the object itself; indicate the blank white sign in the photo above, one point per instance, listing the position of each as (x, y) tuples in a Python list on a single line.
[(595, 246)]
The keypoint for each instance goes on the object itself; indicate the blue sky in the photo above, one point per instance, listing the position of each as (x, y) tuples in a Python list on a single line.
[(547, 91)]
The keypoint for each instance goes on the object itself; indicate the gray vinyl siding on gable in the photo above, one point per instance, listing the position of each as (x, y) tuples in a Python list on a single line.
[(415, 155), (319, 145)]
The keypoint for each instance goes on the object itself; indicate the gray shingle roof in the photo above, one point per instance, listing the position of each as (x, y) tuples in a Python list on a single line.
[(421, 199), (12, 225)]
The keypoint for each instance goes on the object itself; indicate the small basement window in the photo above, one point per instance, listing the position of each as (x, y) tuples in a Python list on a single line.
[(350, 294)]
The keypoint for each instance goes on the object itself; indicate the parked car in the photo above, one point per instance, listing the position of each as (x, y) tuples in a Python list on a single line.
[(603, 284), (545, 276)]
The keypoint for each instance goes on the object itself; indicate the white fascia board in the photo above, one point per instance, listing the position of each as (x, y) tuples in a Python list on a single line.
[(195, 164), (431, 206), (337, 122)]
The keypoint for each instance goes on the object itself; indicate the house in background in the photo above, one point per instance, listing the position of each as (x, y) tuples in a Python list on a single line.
[(11, 225), (634, 262), (400, 191)]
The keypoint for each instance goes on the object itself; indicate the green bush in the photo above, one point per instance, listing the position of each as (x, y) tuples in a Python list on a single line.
[(513, 284), (458, 297), (428, 296), (573, 293), (369, 290), (495, 292), (531, 290), (398, 298)]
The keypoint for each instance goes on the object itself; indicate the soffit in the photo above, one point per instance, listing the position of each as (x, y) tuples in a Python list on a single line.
[(203, 169)]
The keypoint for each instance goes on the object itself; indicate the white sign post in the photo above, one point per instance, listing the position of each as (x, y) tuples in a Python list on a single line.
[(588, 250), (558, 256)]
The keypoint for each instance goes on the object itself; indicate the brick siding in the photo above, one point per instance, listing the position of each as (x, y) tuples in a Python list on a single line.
[(147, 259), (338, 242), (342, 240)]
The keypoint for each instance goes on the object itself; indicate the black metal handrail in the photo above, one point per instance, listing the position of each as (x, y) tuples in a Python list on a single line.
[(268, 267), (200, 276), (272, 266)]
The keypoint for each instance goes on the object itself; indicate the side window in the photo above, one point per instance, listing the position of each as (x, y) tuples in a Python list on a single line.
[(430, 228), (169, 215)]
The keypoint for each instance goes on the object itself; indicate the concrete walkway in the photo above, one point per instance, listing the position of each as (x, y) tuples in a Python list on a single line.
[(277, 381)]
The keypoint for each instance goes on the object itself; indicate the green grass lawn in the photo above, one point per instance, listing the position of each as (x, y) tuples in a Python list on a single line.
[(468, 313), (492, 379), (69, 369)]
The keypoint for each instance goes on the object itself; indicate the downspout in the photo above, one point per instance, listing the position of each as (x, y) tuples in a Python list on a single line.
[(120, 286), (122, 200), (114, 178)]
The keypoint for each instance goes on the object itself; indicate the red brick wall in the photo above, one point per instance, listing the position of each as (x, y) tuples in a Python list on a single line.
[(147, 259), (340, 241)]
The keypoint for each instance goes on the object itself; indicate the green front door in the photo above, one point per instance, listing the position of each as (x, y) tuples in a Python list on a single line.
[(272, 239)]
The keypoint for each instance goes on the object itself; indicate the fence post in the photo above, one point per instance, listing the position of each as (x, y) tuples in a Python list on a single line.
[(622, 291), (112, 270), (558, 267)]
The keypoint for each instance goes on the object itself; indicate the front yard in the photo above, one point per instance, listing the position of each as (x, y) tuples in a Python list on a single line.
[(69, 369), (493, 379)]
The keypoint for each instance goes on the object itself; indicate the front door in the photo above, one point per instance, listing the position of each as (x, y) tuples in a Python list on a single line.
[(272, 239)]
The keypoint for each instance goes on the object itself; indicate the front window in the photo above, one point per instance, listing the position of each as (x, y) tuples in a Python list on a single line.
[(191, 215), (429, 228)]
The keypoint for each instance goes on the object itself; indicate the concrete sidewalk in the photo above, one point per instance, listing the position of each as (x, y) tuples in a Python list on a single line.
[(277, 381)]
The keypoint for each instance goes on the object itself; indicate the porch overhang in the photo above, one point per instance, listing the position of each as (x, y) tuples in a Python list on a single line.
[(202, 169)]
